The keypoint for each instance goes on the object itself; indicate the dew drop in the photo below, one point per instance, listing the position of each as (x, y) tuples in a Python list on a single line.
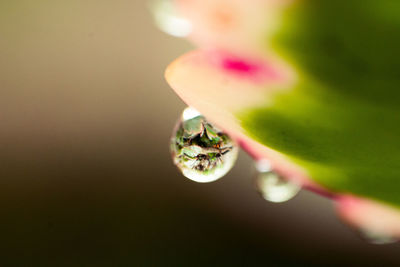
[(376, 238), (168, 20), (202, 152), (272, 186)]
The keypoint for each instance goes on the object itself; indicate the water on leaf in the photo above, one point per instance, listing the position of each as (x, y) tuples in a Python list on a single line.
[(168, 19), (272, 186), (376, 238), (201, 151)]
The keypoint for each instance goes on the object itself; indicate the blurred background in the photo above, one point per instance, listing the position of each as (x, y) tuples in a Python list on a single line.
[(86, 174)]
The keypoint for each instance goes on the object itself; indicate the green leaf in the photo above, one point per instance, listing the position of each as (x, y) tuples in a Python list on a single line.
[(342, 120)]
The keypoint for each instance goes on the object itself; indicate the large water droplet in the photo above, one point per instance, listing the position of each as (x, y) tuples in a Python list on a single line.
[(376, 238), (168, 19), (201, 151), (272, 186)]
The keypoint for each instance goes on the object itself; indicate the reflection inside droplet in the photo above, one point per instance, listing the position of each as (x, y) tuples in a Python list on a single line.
[(272, 186), (376, 238), (263, 165), (201, 151), (190, 113), (168, 20)]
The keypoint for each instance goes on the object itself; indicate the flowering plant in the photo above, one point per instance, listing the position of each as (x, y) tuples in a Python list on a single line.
[(312, 86)]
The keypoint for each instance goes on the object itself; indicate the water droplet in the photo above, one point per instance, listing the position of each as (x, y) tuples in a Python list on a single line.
[(272, 186), (201, 151), (376, 238), (168, 19)]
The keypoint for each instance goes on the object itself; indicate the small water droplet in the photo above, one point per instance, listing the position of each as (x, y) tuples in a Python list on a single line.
[(272, 186), (168, 20), (376, 238), (201, 151)]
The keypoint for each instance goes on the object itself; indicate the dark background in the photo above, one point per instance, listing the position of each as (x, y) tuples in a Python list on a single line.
[(86, 175)]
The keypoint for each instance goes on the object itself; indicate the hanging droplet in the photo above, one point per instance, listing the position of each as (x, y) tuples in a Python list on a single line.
[(201, 151), (376, 238), (168, 19), (272, 186)]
